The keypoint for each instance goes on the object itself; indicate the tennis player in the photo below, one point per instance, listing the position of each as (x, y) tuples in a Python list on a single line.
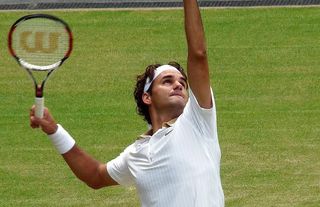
[(177, 162)]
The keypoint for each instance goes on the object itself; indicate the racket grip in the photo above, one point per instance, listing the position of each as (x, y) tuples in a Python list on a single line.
[(39, 102)]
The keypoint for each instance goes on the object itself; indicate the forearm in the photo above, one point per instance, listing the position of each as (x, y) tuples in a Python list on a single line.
[(194, 29), (85, 167)]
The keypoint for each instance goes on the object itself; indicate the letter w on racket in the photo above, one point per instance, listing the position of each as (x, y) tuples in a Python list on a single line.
[(39, 42)]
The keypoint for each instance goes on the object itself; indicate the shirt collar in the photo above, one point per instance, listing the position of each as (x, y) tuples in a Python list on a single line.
[(164, 125)]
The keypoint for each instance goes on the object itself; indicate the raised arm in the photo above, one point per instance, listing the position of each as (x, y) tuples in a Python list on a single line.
[(197, 63)]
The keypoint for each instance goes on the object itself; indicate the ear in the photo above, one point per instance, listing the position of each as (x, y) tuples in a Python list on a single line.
[(146, 98)]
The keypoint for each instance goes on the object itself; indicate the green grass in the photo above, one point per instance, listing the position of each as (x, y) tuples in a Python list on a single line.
[(265, 74)]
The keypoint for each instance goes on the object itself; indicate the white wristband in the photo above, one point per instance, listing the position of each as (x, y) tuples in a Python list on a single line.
[(62, 140)]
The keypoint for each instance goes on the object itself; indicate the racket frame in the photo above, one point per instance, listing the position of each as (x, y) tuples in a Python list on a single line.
[(39, 99)]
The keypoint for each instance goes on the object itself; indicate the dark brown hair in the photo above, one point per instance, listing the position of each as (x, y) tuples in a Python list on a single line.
[(142, 108)]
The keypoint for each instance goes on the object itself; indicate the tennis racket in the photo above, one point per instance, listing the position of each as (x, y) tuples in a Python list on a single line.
[(40, 43)]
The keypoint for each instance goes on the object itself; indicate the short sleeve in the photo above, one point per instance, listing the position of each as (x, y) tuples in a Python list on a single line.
[(203, 119), (118, 169)]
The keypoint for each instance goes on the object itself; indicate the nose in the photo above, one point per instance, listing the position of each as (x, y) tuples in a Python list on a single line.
[(177, 85)]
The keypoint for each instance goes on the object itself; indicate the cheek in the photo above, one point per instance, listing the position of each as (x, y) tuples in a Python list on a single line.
[(186, 94)]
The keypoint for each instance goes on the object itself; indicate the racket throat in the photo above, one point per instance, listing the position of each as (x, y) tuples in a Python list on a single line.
[(39, 91)]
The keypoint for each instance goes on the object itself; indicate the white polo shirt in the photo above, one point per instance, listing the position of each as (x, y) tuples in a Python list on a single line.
[(179, 165)]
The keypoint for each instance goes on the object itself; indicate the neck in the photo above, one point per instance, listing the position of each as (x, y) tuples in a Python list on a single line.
[(158, 119)]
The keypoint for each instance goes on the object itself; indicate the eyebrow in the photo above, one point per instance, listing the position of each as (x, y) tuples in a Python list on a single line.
[(171, 76)]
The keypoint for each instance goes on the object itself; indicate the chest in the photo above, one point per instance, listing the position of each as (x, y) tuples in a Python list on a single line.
[(170, 159)]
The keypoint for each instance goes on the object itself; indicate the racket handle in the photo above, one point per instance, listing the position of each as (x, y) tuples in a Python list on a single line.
[(39, 102)]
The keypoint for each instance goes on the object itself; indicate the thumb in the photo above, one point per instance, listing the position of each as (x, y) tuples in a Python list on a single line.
[(47, 123)]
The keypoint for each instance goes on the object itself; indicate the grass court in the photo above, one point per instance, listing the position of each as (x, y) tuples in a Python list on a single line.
[(264, 65)]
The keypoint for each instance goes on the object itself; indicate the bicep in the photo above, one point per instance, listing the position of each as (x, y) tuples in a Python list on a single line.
[(118, 169), (87, 169), (106, 179), (199, 80)]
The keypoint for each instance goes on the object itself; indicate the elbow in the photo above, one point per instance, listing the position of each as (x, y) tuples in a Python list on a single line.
[(198, 54), (94, 183), (91, 183), (95, 186), (96, 179)]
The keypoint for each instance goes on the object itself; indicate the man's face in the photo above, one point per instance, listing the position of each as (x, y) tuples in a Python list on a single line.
[(169, 91)]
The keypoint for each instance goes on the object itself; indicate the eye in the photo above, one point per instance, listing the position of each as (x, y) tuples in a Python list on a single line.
[(184, 84), (166, 81)]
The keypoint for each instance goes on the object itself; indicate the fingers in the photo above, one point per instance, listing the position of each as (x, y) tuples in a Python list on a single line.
[(32, 110), (47, 123), (50, 126), (34, 123), (46, 114)]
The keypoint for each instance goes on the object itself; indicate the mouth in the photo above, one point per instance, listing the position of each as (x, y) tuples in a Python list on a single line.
[(177, 94)]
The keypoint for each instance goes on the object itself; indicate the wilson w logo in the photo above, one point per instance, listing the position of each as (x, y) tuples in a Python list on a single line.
[(39, 42)]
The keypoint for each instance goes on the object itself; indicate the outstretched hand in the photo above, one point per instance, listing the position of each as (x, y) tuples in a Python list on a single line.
[(47, 123)]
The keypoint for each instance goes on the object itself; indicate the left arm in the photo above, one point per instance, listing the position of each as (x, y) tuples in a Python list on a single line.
[(197, 63)]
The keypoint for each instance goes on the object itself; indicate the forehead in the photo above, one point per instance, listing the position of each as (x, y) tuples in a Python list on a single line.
[(170, 74)]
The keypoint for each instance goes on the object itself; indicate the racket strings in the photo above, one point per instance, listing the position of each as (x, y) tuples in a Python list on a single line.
[(40, 41)]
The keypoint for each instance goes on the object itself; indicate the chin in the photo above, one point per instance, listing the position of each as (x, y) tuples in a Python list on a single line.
[(178, 107), (176, 112), (179, 100)]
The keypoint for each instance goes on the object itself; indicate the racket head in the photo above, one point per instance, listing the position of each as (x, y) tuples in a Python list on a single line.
[(40, 41)]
